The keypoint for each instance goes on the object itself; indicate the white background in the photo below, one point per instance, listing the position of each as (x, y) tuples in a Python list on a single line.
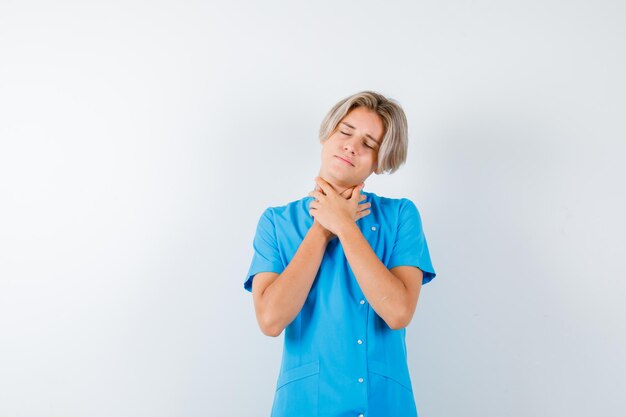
[(141, 140)]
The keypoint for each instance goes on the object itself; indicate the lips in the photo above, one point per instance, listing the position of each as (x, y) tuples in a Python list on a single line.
[(347, 161)]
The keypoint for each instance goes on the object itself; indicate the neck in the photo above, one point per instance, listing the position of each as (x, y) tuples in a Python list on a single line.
[(338, 187)]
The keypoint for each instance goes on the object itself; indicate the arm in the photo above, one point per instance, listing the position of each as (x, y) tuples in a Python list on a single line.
[(393, 294), (278, 299), (277, 302)]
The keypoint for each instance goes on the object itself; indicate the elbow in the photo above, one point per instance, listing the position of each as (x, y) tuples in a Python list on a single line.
[(270, 327), (397, 324), (271, 331), (399, 321), (400, 315)]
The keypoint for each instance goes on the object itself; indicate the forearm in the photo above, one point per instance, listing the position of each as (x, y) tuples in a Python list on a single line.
[(284, 298), (385, 292)]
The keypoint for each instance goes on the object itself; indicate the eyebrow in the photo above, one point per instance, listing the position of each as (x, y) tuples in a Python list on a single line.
[(367, 134)]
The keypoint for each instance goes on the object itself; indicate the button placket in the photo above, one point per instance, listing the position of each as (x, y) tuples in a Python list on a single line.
[(361, 354)]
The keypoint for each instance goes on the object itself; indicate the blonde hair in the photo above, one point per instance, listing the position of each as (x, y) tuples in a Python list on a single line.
[(393, 148)]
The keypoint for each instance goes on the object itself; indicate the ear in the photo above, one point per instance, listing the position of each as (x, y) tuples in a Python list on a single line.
[(377, 169)]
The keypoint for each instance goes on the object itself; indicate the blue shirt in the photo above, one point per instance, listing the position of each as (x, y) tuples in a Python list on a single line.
[(340, 358)]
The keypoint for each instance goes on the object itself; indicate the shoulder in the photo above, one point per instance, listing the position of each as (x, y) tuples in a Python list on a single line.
[(290, 206), (390, 204), (287, 212), (393, 212)]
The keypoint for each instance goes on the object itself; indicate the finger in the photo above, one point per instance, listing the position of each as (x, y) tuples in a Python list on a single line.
[(356, 191), (362, 214), (316, 194), (318, 188), (363, 197), (326, 188), (314, 205), (347, 192), (364, 206)]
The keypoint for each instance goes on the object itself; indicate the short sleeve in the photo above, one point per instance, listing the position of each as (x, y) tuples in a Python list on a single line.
[(266, 256), (410, 247)]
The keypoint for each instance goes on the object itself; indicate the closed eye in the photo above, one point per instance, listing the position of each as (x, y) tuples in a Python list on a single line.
[(344, 133)]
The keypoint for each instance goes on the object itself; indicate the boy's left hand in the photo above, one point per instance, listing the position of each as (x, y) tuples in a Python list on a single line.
[(335, 212)]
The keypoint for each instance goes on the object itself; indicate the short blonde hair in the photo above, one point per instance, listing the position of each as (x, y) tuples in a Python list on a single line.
[(393, 149)]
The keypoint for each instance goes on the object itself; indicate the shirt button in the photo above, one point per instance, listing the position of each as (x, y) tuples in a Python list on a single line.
[(360, 380), (360, 342), (362, 302), (361, 415), (373, 228)]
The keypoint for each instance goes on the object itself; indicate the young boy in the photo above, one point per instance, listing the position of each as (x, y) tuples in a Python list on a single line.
[(341, 271)]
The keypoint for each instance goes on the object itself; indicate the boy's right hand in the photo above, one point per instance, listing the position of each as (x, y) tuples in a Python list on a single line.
[(359, 215)]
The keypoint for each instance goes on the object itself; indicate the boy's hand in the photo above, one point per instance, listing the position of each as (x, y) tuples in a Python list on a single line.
[(316, 225), (335, 211)]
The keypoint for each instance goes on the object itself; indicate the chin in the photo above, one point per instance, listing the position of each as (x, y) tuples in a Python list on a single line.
[(339, 178)]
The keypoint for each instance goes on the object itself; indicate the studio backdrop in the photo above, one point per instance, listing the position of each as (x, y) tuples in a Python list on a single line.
[(140, 142)]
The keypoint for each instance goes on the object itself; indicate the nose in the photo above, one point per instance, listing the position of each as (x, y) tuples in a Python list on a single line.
[(348, 146)]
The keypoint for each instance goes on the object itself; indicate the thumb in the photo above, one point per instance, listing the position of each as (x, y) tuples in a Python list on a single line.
[(347, 193), (356, 191)]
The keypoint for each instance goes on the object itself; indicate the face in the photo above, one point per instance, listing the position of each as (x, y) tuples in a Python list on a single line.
[(350, 154)]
